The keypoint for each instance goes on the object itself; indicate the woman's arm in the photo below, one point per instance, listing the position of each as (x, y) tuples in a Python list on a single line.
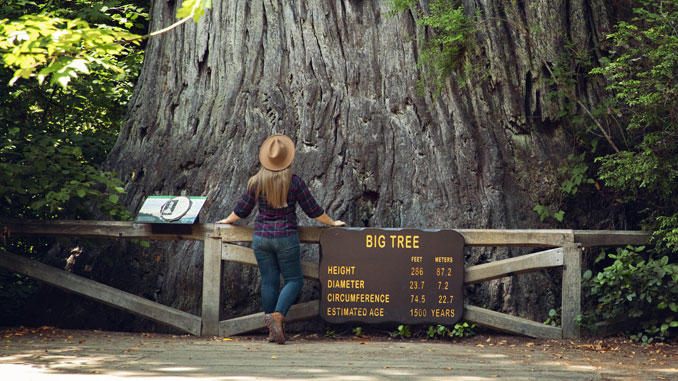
[(325, 219), (230, 219)]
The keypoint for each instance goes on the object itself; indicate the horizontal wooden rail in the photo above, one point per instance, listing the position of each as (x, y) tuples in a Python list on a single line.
[(239, 233), (592, 238), (510, 324), (483, 237), (102, 293), (245, 256), (518, 237), (472, 237), (512, 266), (104, 229), (255, 322)]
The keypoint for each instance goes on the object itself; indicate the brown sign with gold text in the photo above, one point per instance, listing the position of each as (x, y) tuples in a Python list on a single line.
[(391, 275)]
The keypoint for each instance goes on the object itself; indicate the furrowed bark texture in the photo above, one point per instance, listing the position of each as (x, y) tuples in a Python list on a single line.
[(340, 78)]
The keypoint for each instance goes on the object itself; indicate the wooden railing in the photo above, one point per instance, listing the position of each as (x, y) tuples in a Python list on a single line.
[(564, 250)]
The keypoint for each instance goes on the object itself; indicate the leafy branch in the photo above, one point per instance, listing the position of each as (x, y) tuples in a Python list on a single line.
[(190, 9), (41, 45)]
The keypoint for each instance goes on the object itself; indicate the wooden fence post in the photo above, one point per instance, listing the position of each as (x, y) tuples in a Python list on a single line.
[(211, 286), (571, 295)]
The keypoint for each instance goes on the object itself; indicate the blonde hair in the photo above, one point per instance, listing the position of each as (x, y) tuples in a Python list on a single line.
[(273, 184)]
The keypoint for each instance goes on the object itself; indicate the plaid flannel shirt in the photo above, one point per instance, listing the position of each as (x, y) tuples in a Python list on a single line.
[(272, 223)]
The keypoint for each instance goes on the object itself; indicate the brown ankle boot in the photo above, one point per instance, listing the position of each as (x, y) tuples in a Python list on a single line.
[(268, 319), (270, 337), (274, 322), (278, 320)]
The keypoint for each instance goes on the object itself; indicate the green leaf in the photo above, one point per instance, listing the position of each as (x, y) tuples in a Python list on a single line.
[(38, 204), (587, 274), (79, 65), (62, 79), (186, 8), (542, 211), (113, 198)]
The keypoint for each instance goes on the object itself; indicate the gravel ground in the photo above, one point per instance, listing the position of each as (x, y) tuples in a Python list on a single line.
[(52, 354)]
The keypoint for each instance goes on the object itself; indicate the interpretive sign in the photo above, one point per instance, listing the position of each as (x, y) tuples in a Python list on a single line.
[(170, 209), (408, 276)]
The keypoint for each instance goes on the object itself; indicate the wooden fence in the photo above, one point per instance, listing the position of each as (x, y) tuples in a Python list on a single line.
[(563, 250)]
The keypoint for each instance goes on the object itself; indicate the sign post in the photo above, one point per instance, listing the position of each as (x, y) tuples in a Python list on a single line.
[(407, 276), (176, 215)]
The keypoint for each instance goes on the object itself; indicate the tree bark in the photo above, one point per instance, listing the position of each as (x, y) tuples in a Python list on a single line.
[(340, 78)]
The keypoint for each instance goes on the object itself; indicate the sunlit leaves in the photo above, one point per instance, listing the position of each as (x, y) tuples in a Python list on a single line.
[(195, 8), (41, 46), (56, 129)]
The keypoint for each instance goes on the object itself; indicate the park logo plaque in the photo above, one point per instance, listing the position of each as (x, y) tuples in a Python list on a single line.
[(408, 276), (171, 214), (170, 209)]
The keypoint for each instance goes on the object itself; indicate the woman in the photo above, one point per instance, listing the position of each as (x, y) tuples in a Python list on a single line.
[(276, 238)]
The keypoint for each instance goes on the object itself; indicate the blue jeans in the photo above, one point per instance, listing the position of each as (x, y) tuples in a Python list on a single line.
[(277, 256)]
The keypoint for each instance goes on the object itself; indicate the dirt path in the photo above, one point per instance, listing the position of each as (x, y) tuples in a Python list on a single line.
[(54, 354)]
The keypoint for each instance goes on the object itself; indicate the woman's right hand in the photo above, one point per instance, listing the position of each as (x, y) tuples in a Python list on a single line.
[(230, 219)]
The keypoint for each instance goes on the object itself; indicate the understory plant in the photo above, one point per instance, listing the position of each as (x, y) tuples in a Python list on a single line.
[(637, 285), (402, 331), (554, 319), (462, 329), (447, 34)]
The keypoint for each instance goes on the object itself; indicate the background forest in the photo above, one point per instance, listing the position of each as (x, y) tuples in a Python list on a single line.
[(70, 69)]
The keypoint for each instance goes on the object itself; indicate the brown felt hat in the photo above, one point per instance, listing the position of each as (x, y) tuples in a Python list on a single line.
[(277, 152)]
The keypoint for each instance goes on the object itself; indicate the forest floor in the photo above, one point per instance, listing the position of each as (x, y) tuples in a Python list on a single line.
[(53, 354)]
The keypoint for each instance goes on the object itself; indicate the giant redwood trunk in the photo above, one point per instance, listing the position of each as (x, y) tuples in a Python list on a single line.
[(340, 78)]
